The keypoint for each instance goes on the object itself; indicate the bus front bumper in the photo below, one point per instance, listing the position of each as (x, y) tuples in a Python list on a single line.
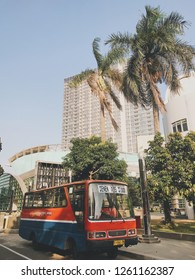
[(103, 245)]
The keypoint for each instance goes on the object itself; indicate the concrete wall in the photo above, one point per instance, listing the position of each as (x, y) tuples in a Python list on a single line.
[(9, 221), (180, 106)]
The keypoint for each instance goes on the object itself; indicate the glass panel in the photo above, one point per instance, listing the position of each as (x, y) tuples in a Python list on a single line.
[(179, 128), (185, 126), (108, 201), (59, 198), (49, 195), (28, 202), (38, 200), (76, 195), (174, 128), (79, 206)]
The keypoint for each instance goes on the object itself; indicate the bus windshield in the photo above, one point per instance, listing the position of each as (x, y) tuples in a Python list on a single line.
[(108, 201)]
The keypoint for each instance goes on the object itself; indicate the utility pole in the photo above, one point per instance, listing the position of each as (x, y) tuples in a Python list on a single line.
[(147, 237)]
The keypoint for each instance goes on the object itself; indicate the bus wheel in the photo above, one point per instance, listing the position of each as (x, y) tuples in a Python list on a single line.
[(74, 252), (112, 253)]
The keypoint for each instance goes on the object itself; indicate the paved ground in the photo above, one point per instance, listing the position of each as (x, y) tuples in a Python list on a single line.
[(167, 249)]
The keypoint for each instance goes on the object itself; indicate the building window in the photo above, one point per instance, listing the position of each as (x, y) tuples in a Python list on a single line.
[(180, 126)]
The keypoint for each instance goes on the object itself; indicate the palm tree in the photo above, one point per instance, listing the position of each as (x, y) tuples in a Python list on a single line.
[(102, 81), (156, 55)]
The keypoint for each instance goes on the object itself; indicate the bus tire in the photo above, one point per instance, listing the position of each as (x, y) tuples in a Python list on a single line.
[(74, 251), (112, 253)]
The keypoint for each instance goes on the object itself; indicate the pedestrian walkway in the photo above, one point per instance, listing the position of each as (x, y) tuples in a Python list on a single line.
[(167, 249)]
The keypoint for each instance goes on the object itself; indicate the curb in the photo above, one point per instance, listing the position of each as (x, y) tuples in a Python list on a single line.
[(176, 236), (170, 235), (136, 256)]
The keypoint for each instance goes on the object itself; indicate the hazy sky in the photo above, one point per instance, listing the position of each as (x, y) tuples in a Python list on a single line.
[(45, 41)]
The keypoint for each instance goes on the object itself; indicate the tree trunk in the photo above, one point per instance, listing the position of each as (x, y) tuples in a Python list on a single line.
[(156, 119), (167, 211), (102, 126)]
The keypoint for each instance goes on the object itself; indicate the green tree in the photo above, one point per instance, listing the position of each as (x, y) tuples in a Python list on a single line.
[(182, 165), (102, 81), (171, 167), (157, 55), (134, 191), (159, 179), (90, 157)]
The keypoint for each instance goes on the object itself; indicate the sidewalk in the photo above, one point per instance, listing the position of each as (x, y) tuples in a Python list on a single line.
[(172, 246), (167, 249)]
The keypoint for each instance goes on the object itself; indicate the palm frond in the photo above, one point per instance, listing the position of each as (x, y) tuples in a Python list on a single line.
[(115, 76), (130, 89), (116, 55), (96, 52), (132, 79), (114, 123), (113, 96), (119, 40), (184, 54), (147, 22), (116, 100), (175, 23), (78, 79)]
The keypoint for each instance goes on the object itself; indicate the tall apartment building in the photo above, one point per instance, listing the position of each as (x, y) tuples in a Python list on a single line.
[(81, 118)]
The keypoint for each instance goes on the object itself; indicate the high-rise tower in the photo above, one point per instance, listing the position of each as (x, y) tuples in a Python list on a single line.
[(81, 118)]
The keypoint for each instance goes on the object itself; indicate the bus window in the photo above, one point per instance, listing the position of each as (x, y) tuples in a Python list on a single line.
[(59, 198), (48, 198), (55, 198), (108, 201), (79, 206), (38, 200), (28, 201), (76, 194)]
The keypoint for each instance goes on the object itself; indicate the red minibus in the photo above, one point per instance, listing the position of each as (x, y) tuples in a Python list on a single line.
[(92, 215)]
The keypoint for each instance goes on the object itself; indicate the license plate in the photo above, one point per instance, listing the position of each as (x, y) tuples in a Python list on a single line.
[(119, 242)]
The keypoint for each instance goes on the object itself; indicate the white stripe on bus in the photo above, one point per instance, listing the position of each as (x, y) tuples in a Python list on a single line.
[(45, 220), (110, 221)]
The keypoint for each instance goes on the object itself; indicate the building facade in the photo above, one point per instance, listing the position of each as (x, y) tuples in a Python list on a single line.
[(81, 118), (180, 116), (180, 113)]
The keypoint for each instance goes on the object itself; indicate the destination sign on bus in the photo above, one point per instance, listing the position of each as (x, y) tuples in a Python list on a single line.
[(112, 189)]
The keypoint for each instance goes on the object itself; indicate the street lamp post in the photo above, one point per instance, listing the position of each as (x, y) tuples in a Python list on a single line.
[(147, 237)]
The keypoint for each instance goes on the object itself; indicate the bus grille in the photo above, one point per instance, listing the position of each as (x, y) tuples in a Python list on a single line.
[(117, 233)]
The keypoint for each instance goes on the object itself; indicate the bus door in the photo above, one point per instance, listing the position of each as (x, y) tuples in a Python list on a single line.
[(77, 201)]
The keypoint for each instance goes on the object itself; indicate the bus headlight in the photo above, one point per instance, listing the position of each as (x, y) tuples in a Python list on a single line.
[(96, 234), (131, 232)]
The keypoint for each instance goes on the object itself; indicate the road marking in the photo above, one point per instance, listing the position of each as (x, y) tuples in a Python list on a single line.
[(15, 252)]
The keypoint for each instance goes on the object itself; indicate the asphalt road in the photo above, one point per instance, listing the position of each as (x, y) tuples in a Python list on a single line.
[(13, 247)]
